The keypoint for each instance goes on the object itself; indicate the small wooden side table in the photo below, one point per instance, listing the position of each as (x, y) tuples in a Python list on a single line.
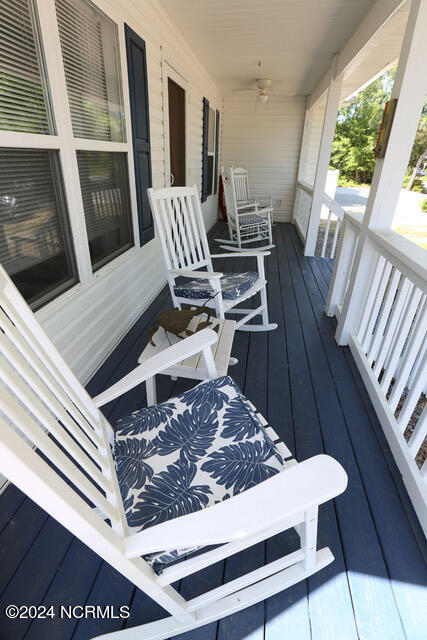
[(192, 367)]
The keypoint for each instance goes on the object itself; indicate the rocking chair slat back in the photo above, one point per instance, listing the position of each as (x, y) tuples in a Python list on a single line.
[(230, 196), (179, 221), (47, 407), (241, 183)]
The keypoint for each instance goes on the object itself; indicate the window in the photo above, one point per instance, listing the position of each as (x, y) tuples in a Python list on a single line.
[(89, 46), (35, 245), (38, 172), (24, 103), (210, 150), (104, 185)]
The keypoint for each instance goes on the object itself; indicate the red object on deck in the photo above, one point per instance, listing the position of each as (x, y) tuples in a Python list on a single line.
[(221, 199)]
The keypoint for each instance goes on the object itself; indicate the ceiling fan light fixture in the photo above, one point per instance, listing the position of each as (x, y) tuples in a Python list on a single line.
[(262, 96)]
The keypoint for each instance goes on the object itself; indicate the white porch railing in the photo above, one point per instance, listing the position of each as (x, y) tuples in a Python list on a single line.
[(343, 263), (389, 344), (302, 207), (335, 216)]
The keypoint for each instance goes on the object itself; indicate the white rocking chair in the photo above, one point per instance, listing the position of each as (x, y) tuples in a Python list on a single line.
[(80, 484), (241, 188), (248, 221), (179, 223)]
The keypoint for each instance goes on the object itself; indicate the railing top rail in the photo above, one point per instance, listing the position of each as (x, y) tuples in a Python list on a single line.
[(354, 217), (408, 257), (308, 188), (333, 206)]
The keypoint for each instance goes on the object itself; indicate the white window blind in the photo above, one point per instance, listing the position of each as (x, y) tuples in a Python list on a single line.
[(105, 191), (35, 244), (24, 104), (89, 46)]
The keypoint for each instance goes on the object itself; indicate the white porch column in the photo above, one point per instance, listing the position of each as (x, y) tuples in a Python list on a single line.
[(326, 140), (303, 155), (410, 87)]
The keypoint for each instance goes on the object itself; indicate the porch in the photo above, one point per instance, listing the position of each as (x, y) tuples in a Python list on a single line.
[(312, 394)]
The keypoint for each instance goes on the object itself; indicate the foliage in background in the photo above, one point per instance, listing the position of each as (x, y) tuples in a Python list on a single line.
[(356, 132), (357, 129)]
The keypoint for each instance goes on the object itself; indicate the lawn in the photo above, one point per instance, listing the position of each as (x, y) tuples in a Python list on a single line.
[(417, 234)]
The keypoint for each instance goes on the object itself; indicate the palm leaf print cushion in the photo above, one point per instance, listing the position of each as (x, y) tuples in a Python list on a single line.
[(233, 285), (188, 453)]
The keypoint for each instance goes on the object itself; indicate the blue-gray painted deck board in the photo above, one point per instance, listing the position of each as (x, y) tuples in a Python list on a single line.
[(311, 393)]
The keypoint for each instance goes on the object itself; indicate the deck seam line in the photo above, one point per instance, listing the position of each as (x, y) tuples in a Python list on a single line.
[(338, 523), (363, 484)]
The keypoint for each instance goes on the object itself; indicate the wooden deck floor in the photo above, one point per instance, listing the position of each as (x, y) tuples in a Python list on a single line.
[(312, 395)]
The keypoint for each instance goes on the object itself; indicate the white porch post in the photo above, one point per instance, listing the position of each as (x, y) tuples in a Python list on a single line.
[(325, 147), (303, 155), (410, 87)]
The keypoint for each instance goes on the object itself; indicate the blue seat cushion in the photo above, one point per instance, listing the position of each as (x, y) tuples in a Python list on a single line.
[(188, 453), (233, 285)]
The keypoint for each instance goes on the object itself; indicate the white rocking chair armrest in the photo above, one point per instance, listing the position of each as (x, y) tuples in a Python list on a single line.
[(281, 497), (246, 254), (263, 210), (247, 204), (186, 348), (204, 275)]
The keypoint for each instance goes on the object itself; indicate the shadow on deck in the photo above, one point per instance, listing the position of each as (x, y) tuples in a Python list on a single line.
[(312, 395)]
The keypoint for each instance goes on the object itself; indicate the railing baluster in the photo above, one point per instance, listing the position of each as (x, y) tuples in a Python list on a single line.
[(413, 396), (402, 334), (372, 294), (325, 238), (419, 433), (390, 332), (415, 339), (334, 242), (386, 305)]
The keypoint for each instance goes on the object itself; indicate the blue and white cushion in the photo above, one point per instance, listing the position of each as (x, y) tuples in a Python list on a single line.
[(188, 453), (233, 285)]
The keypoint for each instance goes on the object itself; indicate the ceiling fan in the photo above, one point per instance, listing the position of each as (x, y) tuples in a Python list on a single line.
[(263, 89)]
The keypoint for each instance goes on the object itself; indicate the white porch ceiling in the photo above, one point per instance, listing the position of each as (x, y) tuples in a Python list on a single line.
[(294, 39), (382, 52)]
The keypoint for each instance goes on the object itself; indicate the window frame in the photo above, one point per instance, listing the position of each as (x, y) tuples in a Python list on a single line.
[(64, 142), (211, 154)]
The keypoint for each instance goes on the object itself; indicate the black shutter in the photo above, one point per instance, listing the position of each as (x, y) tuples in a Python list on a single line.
[(205, 172), (138, 94), (216, 151)]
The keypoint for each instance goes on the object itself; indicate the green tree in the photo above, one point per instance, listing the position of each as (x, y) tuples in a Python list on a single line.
[(358, 124), (418, 158), (356, 132)]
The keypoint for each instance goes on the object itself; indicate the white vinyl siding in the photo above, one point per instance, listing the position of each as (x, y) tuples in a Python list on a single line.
[(91, 318), (266, 137)]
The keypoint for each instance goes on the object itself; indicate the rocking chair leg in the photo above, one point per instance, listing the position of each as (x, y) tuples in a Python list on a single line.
[(309, 537), (151, 391), (265, 321)]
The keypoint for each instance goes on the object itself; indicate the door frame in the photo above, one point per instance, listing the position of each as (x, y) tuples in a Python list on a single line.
[(169, 70)]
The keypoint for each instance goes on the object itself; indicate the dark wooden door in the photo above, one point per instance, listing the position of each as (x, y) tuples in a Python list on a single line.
[(176, 95), (138, 94)]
